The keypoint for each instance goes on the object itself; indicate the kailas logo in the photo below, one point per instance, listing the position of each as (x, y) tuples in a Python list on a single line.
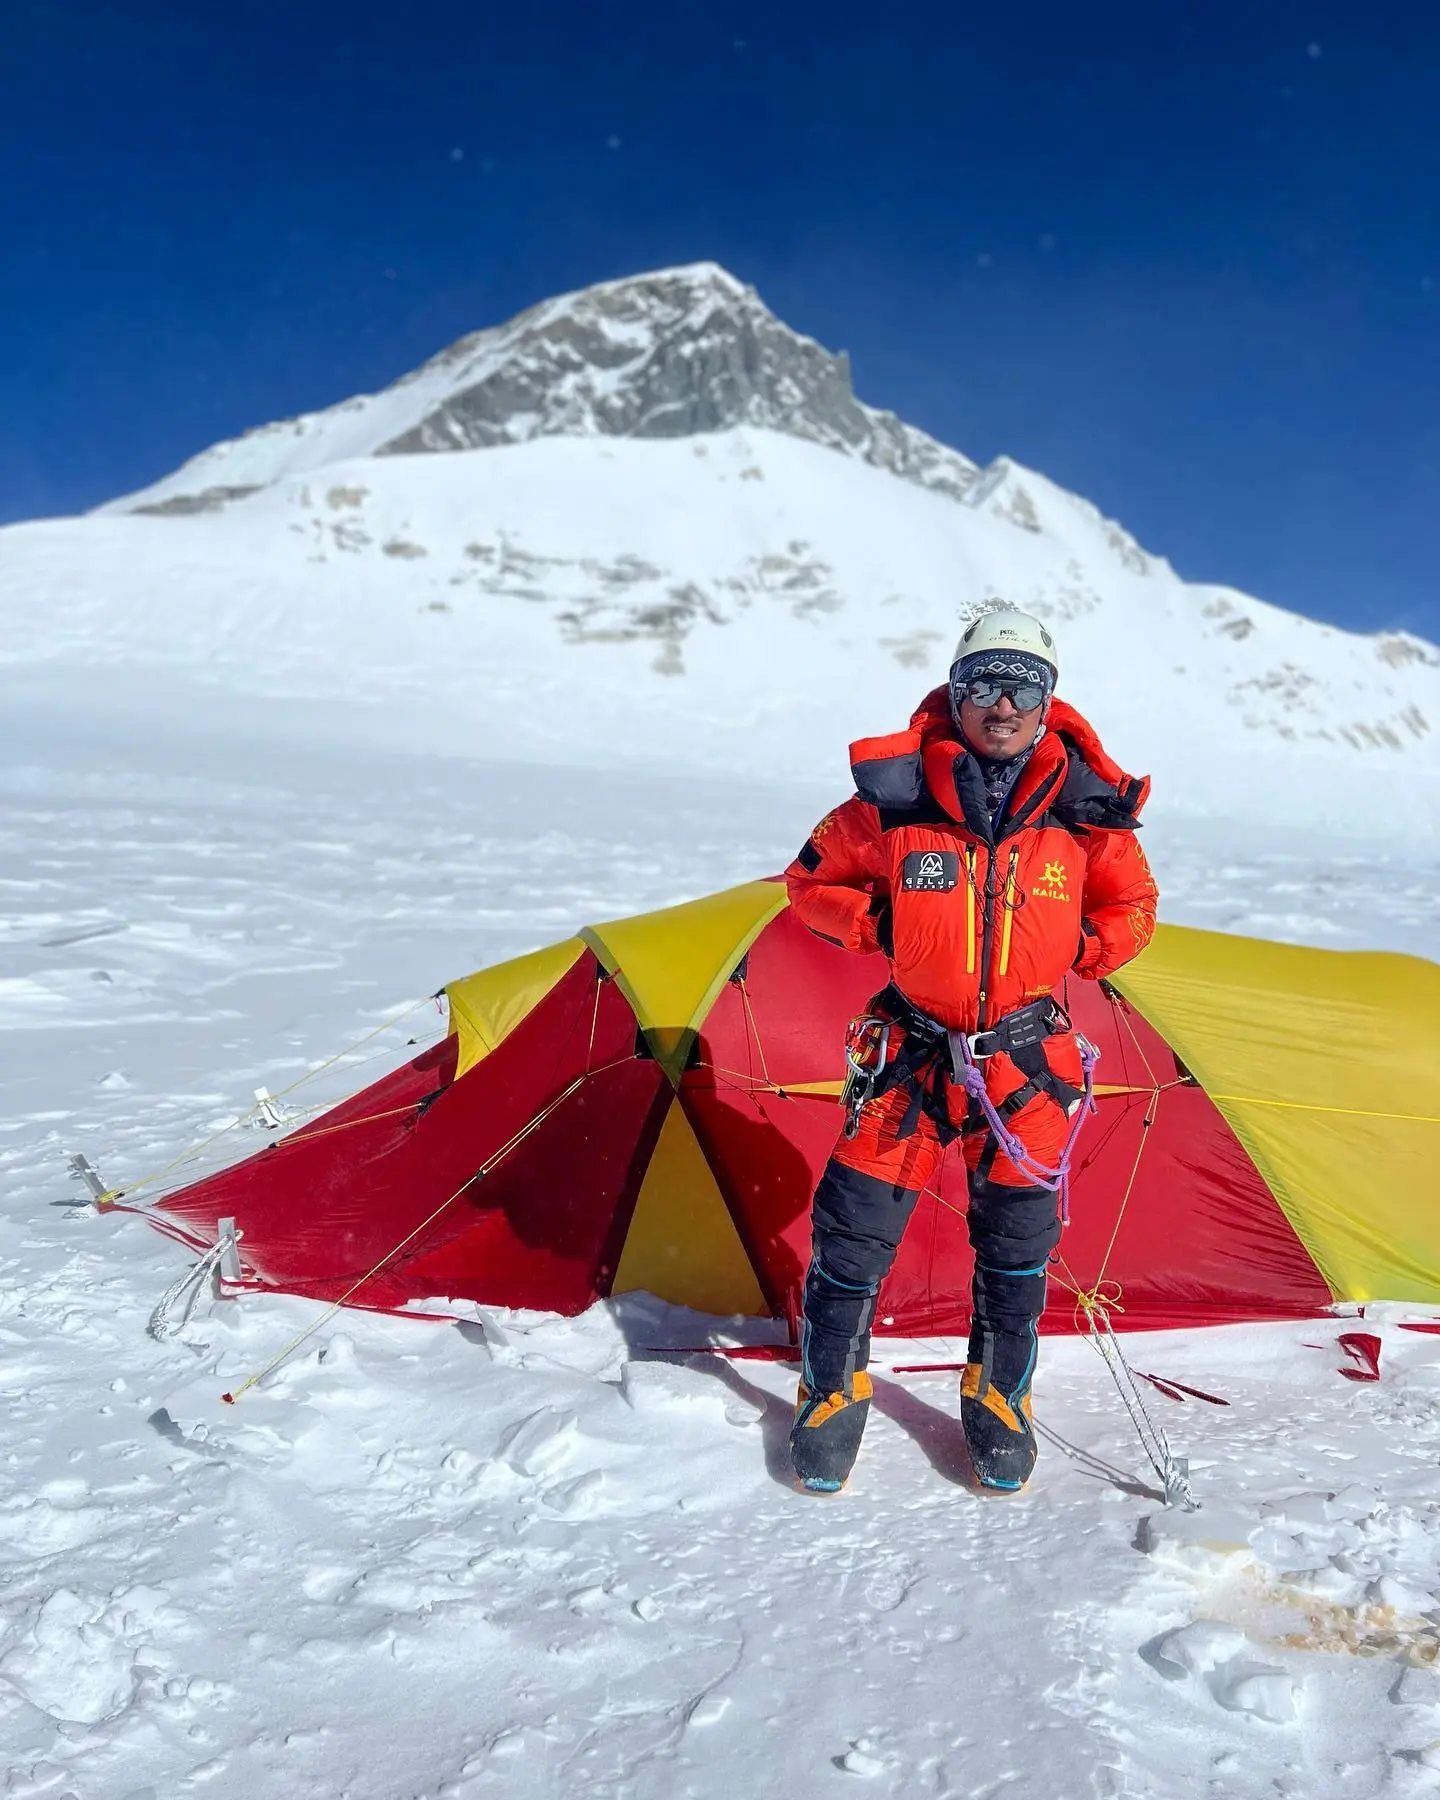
[(1052, 883)]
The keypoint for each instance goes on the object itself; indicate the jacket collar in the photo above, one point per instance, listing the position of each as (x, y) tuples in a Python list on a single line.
[(893, 771)]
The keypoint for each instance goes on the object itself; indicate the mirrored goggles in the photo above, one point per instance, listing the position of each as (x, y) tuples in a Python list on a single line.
[(986, 690)]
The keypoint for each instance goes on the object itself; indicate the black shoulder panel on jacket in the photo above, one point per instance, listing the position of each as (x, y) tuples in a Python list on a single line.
[(1088, 800), (927, 810), (809, 857), (890, 781)]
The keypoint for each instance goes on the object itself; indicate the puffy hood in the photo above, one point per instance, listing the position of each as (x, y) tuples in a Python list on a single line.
[(892, 771)]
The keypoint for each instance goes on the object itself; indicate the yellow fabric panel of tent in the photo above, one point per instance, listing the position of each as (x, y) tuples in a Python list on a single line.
[(1326, 1065), (671, 964), (486, 1007), (682, 1244)]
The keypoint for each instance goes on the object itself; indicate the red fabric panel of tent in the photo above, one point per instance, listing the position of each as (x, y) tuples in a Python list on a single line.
[(542, 1229), (785, 1025), (1202, 1239)]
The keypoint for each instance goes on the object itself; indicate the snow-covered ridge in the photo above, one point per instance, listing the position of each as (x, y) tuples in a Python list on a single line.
[(745, 599), (664, 355), (613, 539)]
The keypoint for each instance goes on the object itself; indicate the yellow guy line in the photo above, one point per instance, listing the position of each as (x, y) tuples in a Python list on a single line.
[(193, 1150), (389, 1256), (1349, 1112)]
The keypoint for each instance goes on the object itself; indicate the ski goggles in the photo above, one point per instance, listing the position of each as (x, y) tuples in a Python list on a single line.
[(985, 690)]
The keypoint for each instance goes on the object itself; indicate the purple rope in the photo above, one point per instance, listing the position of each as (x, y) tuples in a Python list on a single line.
[(1056, 1179)]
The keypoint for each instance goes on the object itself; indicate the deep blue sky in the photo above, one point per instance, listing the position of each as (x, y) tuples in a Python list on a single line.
[(1183, 257)]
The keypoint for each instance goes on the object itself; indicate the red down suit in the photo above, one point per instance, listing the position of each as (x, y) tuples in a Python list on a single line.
[(979, 917)]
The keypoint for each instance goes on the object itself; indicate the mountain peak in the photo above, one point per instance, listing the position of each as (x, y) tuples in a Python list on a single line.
[(672, 353), (675, 352)]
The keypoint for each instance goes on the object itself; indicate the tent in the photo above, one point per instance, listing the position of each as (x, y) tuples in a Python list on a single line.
[(648, 1104)]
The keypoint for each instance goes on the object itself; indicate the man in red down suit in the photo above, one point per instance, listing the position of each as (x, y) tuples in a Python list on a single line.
[(989, 851)]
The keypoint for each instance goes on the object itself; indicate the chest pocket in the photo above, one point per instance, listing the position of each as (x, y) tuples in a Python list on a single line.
[(930, 871)]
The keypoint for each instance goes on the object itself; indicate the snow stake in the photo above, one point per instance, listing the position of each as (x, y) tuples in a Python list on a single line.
[(1173, 1471), (81, 1170), (267, 1110), (163, 1323), (229, 1247)]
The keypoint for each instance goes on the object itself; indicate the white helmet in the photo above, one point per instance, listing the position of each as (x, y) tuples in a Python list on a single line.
[(1005, 628)]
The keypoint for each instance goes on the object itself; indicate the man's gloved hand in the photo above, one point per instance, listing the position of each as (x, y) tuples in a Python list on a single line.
[(1088, 953)]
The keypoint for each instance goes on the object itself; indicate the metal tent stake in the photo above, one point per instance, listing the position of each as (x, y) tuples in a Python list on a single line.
[(81, 1170)]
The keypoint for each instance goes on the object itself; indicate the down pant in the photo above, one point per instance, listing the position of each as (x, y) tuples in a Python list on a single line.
[(868, 1192)]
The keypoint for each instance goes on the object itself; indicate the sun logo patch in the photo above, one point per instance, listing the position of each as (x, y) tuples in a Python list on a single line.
[(1054, 883)]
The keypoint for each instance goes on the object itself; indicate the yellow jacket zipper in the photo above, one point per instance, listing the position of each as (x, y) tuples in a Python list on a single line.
[(1010, 901), (970, 911)]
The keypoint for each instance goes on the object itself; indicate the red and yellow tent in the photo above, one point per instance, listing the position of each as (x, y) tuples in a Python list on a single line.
[(648, 1106)]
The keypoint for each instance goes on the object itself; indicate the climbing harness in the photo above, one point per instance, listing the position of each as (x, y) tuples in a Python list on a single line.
[(1017, 1033)]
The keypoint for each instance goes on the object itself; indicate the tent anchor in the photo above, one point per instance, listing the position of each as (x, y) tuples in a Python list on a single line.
[(81, 1170), (267, 1110), (229, 1246)]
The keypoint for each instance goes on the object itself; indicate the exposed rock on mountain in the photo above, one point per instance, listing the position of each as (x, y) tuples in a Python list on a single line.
[(673, 354), (668, 355)]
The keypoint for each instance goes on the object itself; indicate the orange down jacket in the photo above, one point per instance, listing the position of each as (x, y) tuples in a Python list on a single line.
[(978, 920)]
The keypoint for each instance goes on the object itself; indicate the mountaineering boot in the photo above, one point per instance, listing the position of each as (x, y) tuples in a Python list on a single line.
[(834, 1398), (825, 1438), (995, 1407)]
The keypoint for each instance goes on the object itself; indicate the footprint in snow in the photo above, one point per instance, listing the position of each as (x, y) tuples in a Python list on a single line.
[(889, 1583)]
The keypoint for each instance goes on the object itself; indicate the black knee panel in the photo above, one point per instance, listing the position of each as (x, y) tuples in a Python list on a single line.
[(834, 1304), (1012, 1228), (857, 1222)]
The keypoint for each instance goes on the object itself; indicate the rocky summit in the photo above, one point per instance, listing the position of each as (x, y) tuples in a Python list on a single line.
[(671, 354), (678, 353)]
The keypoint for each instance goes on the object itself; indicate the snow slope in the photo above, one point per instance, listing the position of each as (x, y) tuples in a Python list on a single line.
[(518, 1555), (275, 767), (746, 599), (650, 514)]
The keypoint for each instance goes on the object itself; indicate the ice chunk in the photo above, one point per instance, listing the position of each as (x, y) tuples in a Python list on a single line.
[(539, 1443), (1417, 1687), (1198, 1648), (1400, 1595), (1259, 1689), (1204, 1543)]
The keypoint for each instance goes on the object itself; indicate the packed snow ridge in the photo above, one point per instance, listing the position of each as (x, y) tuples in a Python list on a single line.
[(653, 512), (663, 355)]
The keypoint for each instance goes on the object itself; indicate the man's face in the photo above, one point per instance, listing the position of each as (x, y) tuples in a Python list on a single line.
[(1000, 729)]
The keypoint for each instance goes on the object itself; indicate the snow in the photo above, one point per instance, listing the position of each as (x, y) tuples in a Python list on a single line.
[(757, 599), (261, 798), (515, 1553), (667, 354)]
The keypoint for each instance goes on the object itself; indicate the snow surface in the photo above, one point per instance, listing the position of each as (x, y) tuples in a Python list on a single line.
[(276, 769), (666, 355), (744, 603), (515, 1554)]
